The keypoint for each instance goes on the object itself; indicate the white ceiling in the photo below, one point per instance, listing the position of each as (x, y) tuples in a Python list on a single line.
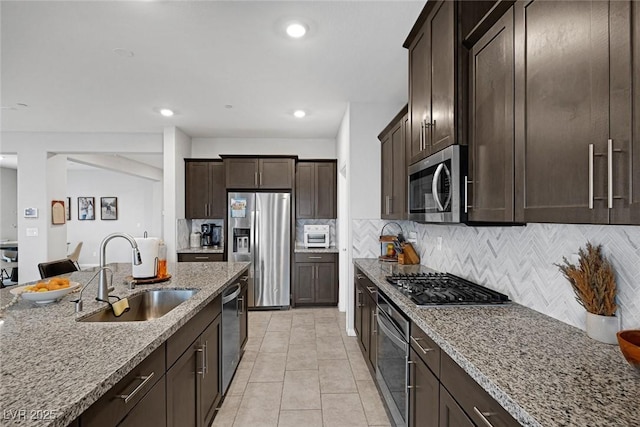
[(196, 57)]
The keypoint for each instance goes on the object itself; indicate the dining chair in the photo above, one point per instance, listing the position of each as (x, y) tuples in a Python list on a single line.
[(54, 268), (75, 255)]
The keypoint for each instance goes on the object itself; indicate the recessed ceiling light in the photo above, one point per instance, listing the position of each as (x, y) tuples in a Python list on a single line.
[(166, 112), (299, 113), (123, 52), (296, 30)]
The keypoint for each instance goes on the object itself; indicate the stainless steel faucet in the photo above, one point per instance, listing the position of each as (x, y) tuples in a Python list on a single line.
[(103, 287)]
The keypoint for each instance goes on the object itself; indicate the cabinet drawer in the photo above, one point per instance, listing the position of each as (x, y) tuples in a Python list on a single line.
[(111, 408), (316, 257), (426, 348), (475, 402), (187, 334), (200, 257)]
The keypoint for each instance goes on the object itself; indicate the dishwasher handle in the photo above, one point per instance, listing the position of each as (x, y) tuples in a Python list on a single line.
[(230, 296)]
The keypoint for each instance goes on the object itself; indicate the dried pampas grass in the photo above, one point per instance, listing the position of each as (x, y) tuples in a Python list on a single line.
[(593, 281)]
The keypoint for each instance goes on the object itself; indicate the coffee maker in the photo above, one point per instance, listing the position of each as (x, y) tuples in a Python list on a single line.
[(210, 234)]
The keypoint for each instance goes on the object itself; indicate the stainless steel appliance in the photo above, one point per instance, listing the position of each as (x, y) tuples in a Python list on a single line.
[(210, 234), (428, 289), (316, 236), (435, 187), (230, 334), (392, 353), (259, 231)]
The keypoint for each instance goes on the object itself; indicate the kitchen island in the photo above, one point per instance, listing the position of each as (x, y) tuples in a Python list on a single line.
[(541, 371), (54, 367)]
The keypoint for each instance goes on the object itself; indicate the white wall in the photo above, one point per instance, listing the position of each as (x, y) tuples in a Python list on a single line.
[(8, 203), (303, 148), (176, 148), (139, 210)]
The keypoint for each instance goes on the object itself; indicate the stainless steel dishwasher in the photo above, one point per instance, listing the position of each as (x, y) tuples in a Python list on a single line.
[(230, 334)]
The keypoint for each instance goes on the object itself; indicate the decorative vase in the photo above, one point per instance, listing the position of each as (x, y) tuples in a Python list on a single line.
[(603, 328)]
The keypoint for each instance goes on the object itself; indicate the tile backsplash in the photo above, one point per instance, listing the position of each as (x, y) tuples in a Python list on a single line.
[(519, 261)]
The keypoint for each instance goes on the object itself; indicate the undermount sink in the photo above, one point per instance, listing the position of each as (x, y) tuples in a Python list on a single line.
[(145, 306)]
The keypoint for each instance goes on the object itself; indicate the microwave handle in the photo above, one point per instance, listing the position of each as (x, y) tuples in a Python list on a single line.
[(434, 187)]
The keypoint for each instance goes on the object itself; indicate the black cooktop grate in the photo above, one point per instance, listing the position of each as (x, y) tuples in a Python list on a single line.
[(444, 289)]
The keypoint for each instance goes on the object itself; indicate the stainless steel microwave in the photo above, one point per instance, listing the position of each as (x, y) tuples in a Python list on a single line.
[(435, 187)]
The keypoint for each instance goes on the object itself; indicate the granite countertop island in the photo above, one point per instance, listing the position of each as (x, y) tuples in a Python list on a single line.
[(53, 367), (300, 249), (542, 371)]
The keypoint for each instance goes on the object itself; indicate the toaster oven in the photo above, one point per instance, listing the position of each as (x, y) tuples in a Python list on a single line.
[(316, 236)]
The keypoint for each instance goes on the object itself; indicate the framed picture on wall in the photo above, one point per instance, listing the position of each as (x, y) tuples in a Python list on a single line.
[(57, 212), (67, 209), (86, 208), (108, 208)]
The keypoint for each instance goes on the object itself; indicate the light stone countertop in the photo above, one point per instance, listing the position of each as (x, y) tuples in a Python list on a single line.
[(202, 250), (542, 371), (51, 362), (300, 249)]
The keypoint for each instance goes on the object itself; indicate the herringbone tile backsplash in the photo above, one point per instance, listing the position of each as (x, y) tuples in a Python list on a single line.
[(519, 261)]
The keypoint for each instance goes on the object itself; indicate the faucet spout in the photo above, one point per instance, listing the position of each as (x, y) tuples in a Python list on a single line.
[(104, 285)]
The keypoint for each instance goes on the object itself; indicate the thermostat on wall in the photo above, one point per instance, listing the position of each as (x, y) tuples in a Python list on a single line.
[(31, 213)]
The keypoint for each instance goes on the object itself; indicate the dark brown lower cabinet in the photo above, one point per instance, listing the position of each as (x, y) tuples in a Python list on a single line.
[(424, 393), (451, 414), (182, 390), (244, 315), (315, 279), (209, 388), (200, 257), (365, 318), (148, 412)]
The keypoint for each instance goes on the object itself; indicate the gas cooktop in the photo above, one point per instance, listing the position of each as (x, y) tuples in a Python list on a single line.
[(428, 289)]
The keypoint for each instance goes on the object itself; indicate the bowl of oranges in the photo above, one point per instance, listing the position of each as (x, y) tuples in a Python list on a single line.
[(46, 291)]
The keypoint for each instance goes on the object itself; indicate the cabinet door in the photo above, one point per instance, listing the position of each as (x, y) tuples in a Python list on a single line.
[(276, 174), (326, 289), (196, 189), (217, 192), (387, 177), (424, 393), (244, 315), (491, 143), (373, 333), (305, 190), (326, 190), (358, 304), (304, 292), (209, 389), (182, 403), (399, 175), (562, 110), (625, 110), (241, 173), (442, 64), (150, 411), (451, 415), (419, 92)]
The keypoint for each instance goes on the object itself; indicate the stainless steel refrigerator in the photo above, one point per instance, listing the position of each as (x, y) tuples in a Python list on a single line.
[(260, 231)]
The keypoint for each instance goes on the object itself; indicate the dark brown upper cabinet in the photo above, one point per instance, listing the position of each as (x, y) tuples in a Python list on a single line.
[(575, 157), (490, 183), (432, 79), (394, 168), (316, 189), (205, 192), (251, 173)]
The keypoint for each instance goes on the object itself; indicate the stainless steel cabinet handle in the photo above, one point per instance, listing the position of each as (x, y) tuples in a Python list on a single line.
[(359, 276), (483, 416), (201, 257), (314, 257), (145, 379), (244, 278), (386, 202), (255, 179), (371, 289), (610, 173), (411, 378), (375, 323), (201, 350), (260, 179), (466, 193), (206, 357), (590, 176), (424, 350), (358, 300), (240, 309), (421, 134)]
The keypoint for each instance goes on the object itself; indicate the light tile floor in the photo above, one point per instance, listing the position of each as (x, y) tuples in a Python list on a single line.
[(301, 369)]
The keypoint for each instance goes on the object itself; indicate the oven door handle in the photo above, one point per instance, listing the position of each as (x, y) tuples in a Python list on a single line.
[(388, 331)]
